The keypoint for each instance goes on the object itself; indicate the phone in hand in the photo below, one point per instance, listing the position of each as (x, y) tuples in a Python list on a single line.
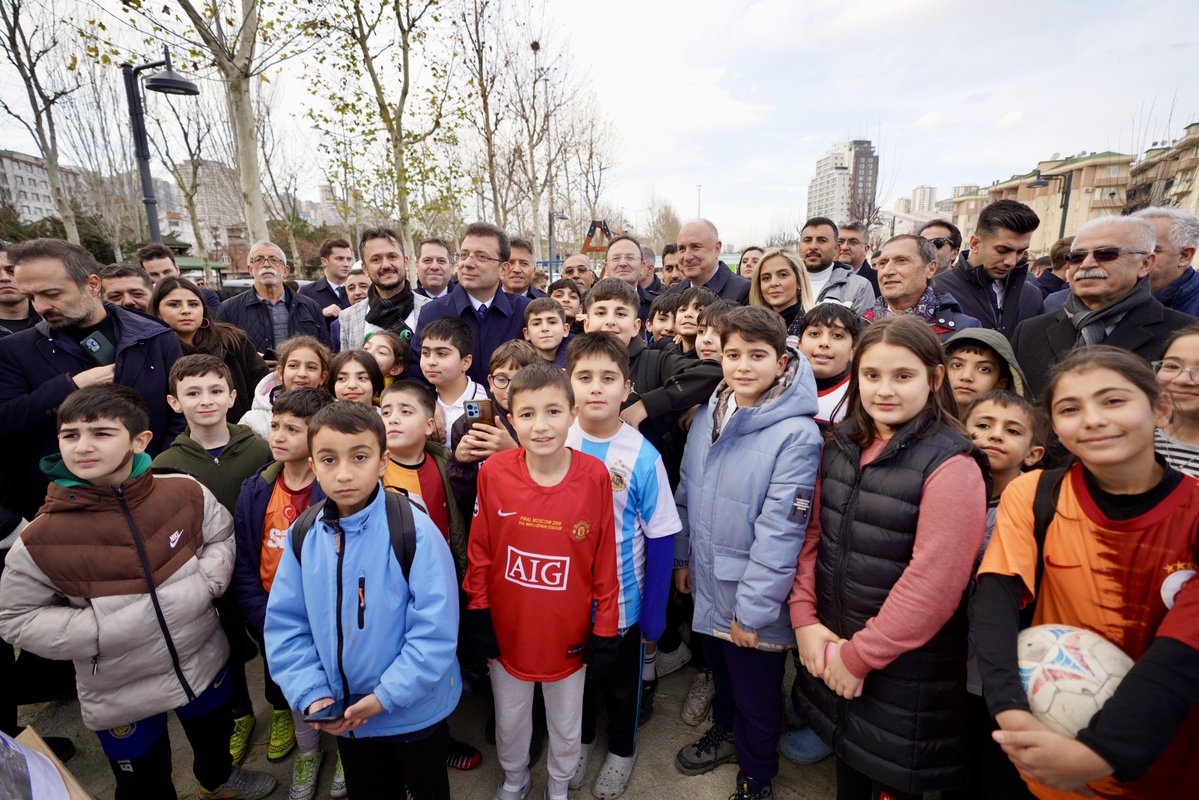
[(478, 411), (330, 713)]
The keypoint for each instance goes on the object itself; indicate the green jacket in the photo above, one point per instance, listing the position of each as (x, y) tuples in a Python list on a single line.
[(222, 475), (441, 456)]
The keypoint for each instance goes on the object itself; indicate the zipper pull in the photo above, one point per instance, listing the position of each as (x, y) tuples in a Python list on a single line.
[(361, 602), (95, 666), (340, 538)]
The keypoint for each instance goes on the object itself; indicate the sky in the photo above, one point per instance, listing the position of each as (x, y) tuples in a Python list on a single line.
[(742, 98)]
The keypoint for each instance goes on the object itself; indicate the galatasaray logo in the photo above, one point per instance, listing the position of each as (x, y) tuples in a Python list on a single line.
[(1179, 575), (581, 530)]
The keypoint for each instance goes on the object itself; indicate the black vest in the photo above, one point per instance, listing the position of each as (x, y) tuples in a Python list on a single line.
[(908, 728)]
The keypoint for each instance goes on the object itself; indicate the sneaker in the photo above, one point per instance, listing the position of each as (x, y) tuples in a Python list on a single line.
[(304, 774), (713, 749), (749, 789), (699, 698), (803, 747), (580, 776), (648, 689), (283, 736), (461, 755), (337, 789), (243, 784), (614, 776), (504, 794), (792, 716), (239, 742), (666, 663)]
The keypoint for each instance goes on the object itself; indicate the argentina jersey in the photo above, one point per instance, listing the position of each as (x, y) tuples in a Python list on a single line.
[(644, 506)]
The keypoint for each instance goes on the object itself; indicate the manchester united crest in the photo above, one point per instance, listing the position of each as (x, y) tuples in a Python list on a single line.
[(581, 530)]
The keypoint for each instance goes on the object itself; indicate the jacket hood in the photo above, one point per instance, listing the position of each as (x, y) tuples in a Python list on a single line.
[(794, 395), (240, 437), (264, 392), (999, 343), (57, 471)]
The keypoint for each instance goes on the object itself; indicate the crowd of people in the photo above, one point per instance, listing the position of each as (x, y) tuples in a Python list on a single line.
[(881, 465)]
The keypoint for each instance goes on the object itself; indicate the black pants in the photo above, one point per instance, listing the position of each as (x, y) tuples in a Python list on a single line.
[(274, 695), (853, 785), (376, 765), (241, 650), (993, 776), (747, 703), (620, 688)]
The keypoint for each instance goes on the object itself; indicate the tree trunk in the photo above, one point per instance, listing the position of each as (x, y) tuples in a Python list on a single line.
[(245, 132), (189, 201)]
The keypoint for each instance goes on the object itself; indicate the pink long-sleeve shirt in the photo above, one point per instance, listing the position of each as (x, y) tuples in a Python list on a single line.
[(949, 532)]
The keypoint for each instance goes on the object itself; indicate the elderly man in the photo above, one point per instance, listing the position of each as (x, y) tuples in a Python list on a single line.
[(578, 269), (159, 261), (1110, 300), (493, 315), (1173, 280), (434, 267), (991, 280), (270, 313), (390, 302), (329, 290), (946, 238), (906, 266), (853, 249), (699, 259), (649, 281), (831, 280), (81, 341), (126, 286)]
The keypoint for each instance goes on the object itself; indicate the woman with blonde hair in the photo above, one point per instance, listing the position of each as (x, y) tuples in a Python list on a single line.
[(781, 284)]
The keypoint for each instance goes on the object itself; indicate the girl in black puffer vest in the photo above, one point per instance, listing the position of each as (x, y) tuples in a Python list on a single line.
[(902, 513)]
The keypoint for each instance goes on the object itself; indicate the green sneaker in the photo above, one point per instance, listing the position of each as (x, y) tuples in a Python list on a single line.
[(243, 784), (283, 736), (304, 774), (337, 789), (239, 743)]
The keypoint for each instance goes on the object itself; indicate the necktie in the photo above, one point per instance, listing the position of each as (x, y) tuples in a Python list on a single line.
[(483, 311), (341, 294)]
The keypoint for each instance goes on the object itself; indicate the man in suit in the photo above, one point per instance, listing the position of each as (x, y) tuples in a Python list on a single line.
[(329, 290), (1110, 301), (699, 259)]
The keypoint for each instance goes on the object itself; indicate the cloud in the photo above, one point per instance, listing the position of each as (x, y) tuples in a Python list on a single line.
[(1008, 121)]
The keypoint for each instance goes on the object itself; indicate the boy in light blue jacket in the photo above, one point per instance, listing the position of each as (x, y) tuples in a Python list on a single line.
[(744, 497), (356, 637)]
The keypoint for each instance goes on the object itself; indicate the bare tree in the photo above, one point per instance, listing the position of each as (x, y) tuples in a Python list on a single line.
[(194, 129), (282, 174), (481, 36), (31, 45), (664, 223)]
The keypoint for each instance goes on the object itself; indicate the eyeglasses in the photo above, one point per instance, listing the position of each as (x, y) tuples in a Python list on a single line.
[(1172, 370), (478, 258), (849, 241), (941, 241), (258, 261), (1103, 255), (624, 259), (500, 381)]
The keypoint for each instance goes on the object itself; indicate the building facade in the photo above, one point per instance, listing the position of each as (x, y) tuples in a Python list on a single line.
[(845, 183), (25, 186)]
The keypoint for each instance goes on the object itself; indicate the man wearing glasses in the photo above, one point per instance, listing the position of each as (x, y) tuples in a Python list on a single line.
[(946, 237), (1110, 301), (853, 248), (270, 313), (493, 315), (991, 280)]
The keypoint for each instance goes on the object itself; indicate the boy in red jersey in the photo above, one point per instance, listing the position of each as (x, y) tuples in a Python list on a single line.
[(542, 554)]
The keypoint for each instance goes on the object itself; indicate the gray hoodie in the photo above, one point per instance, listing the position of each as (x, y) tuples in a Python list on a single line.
[(996, 341)]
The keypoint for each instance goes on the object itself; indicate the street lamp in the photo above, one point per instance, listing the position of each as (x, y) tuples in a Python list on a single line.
[(1067, 179), (166, 82), (553, 216)]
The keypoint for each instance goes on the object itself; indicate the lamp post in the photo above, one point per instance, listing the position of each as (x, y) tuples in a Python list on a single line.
[(167, 82), (1067, 178), (553, 216)]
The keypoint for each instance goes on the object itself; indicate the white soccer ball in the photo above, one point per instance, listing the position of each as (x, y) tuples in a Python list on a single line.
[(1068, 674)]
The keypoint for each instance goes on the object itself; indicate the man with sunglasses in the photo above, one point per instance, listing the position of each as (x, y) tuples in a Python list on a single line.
[(946, 238), (990, 280), (1110, 301)]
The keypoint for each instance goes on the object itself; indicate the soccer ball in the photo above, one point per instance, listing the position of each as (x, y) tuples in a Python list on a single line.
[(1068, 674)]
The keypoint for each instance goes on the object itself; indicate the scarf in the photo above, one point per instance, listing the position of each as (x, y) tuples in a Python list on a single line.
[(1090, 327), (925, 308), (391, 313)]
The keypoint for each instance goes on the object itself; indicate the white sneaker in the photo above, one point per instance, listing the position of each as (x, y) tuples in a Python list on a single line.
[(580, 776), (699, 698), (614, 776), (666, 663), (304, 774), (338, 788), (506, 794)]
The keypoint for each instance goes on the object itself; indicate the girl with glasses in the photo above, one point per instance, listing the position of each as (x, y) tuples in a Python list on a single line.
[(1178, 375)]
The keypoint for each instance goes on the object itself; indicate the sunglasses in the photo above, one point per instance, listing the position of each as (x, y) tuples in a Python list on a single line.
[(1103, 255), (940, 242)]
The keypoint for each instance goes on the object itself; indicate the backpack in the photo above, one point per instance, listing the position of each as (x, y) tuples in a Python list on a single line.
[(1044, 509), (400, 524)]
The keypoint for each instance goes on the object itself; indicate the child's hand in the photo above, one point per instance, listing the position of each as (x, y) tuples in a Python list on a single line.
[(439, 434), (635, 414), (364, 709), (838, 677), (1016, 719), (335, 727), (1057, 761), (687, 417), (682, 580), (812, 641), (742, 638)]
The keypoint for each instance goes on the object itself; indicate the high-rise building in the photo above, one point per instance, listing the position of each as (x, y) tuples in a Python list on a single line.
[(904, 205), (845, 182), (965, 189), (25, 186), (924, 199)]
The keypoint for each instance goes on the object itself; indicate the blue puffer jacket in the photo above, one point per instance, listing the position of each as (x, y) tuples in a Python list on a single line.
[(398, 641), (744, 502), (1183, 294)]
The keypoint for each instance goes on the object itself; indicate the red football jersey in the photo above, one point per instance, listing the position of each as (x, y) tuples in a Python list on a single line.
[(541, 557)]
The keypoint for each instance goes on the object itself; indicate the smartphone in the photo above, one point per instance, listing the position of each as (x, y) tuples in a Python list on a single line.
[(328, 713), (478, 411)]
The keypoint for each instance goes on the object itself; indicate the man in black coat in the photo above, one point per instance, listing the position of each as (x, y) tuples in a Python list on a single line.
[(699, 259), (1110, 301), (270, 313), (990, 280), (329, 290), (853, 248)]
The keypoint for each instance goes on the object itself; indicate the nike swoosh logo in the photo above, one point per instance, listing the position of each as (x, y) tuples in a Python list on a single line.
[(503, 513), (1049, 563)]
